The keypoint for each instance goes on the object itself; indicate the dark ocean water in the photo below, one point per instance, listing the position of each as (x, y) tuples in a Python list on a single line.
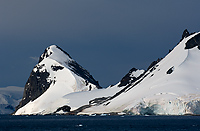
[(99, 123)]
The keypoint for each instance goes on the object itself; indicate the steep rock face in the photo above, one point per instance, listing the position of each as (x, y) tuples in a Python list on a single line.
[(56, 69), (36, 85), (195, 41)]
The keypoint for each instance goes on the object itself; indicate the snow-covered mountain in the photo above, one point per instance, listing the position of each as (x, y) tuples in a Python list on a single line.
[(56, 75), (9, 98), (170, 86)]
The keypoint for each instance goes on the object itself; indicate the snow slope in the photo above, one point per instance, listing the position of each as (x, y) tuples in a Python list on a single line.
[(9, 98), (56, 75), (171, 87)]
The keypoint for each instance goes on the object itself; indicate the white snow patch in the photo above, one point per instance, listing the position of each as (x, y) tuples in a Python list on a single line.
[(137, 73)]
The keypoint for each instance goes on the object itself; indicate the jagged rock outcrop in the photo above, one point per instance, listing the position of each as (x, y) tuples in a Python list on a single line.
[(185, 34), (195, 41), (133, 75)]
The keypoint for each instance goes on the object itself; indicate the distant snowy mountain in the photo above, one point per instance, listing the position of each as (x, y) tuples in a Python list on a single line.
[(56, 75), (170, 86), (9, 98)]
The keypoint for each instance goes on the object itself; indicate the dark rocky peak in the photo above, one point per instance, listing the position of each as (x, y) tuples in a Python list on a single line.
[(154, 63), (133, 69), (193, 42), (185, 33), (49, 51), (129, 78)]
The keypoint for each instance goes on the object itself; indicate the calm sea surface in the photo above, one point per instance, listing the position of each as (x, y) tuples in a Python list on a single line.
[(99, 123)]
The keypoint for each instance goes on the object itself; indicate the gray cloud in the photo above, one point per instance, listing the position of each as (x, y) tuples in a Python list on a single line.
[(106, 37), (36, 59)]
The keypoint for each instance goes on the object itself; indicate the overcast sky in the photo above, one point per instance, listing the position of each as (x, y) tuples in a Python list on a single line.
[(106, 37)]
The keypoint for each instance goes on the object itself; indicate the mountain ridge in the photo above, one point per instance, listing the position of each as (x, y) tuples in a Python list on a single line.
[(169, 86)]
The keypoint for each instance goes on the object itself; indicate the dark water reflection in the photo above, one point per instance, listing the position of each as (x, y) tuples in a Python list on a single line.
[(99, 123)]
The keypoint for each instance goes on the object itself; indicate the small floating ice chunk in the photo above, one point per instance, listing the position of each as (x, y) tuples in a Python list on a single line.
[(80, 125)]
